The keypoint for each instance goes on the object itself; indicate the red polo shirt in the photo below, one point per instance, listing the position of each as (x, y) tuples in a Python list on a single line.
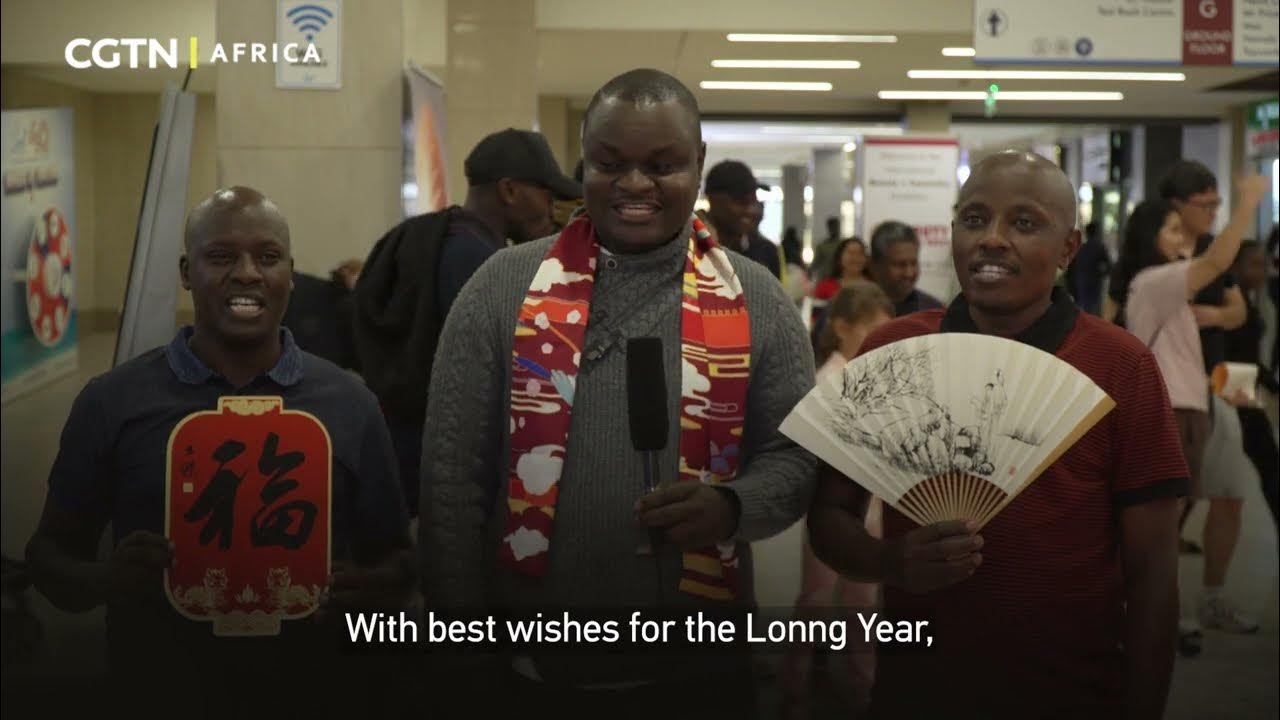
[(1037, 631)]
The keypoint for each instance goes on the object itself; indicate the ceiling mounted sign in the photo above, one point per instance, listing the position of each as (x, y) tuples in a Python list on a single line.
[(1118, 32)]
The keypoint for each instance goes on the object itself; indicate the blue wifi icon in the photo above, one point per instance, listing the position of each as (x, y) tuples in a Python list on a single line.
[(310, 19)]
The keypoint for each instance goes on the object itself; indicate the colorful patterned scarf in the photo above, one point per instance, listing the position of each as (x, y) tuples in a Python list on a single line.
[(715, 342)]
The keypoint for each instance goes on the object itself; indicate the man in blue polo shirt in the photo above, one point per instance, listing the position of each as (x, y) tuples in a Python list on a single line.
[(111, 468)]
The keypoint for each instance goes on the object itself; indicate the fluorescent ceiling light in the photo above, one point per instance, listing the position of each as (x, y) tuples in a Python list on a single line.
[(752, 85), (959, 52), (1001, 95), (850, 146), (811, 130), (1044, 75), (832, 130), (724, 141), (797, 38), (789, 64)]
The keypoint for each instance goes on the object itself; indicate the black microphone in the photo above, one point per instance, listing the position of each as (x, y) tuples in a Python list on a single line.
[(647, 413), (647, 402)]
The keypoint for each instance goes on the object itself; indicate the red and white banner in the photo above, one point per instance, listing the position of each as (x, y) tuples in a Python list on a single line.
[(913, 180)]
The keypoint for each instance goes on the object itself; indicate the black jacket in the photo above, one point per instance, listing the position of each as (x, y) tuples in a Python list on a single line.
[(397, 321)]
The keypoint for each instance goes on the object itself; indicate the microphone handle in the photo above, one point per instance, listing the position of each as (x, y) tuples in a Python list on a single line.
[(655, 535)]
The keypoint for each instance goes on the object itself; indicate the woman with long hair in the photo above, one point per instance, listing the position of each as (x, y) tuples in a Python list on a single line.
[(1156, 278), (848, 263), (856, 309)]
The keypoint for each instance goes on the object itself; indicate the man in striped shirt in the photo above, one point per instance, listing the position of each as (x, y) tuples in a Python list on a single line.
[(1066, 604)]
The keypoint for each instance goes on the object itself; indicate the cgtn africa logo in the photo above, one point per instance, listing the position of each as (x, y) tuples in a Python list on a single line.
[(84, 53)]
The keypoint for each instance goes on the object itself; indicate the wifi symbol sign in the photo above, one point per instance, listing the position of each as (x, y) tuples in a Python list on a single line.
[(310, 19)]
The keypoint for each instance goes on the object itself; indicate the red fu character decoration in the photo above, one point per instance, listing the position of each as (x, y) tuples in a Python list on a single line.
[(248, 512)]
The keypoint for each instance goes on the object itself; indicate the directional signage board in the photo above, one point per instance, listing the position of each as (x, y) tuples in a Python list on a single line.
[(1120, 32)]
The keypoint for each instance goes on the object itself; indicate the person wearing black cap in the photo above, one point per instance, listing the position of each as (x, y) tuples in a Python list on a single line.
[(417, 269), (734, 211)]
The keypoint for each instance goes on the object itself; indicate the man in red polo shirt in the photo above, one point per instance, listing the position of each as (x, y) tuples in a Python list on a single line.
[(1066, 604)]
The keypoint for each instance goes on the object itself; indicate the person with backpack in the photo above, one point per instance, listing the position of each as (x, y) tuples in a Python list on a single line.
[(417, 269)]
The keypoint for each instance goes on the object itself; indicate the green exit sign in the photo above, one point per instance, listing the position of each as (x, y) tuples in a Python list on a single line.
[(1264, 115)]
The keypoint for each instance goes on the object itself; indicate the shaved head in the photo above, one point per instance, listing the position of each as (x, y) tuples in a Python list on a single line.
[(1055, 189), (239, 270), (215, 211), (645, 87), (1013, 231)]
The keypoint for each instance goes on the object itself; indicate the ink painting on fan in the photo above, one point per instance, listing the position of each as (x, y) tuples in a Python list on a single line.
[(947, 426)]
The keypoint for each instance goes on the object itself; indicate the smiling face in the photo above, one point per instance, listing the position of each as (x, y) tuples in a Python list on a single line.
[(853, 261), (1013, 230), (898, 269), (733, 215), (641, 171), (240, 273)]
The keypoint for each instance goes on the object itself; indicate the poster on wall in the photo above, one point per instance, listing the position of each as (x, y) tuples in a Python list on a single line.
[(39, 224), (425, 190), (913, 180), (1156, 32)]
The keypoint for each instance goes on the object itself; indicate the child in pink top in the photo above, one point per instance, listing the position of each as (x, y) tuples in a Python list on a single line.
[(854, 311)]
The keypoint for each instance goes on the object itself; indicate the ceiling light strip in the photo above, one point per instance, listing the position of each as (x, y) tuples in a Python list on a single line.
[(1034, 95), (754, 85), (789, 64), (1045, 75), (809, 38)]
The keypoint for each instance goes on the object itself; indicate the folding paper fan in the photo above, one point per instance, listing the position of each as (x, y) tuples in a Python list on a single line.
[(948, 426)]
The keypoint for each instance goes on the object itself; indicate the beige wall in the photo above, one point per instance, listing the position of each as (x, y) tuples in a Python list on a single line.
[(561, 123), (331, 159), (553, 121), (122, 144), (492, 77), (37, 31)]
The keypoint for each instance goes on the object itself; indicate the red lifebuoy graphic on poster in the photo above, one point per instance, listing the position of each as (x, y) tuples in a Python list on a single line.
[(248, 512), (49, 279)]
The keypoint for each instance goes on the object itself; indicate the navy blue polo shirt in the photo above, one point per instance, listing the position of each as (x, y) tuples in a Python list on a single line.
[(112, 455)]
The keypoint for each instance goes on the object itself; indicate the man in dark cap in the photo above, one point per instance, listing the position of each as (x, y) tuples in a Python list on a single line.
[(417, 269), (735, 212)]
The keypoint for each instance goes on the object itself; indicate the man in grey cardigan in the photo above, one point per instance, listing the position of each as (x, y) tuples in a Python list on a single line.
[(643, 164)]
